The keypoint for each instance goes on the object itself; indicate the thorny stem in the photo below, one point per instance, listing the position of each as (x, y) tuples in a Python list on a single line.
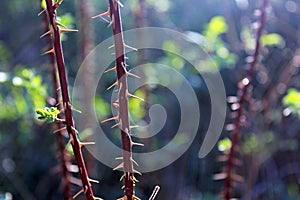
[(66, 102), (244, 93), (123, 98), (59, 136)]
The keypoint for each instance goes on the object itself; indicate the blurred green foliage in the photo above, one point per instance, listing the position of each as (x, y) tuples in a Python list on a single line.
[(292, 101)]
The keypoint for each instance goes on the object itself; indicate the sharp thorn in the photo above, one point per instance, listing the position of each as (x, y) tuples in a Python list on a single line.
[(74, 129), (42, 12), (110, 119), (86, 143), (137, 144), (136, 126), (131, 74), (47, 33), (137, 172), (119, 166), (134, 162), (78, 193), (111, 69), (122, 177), (93, 180), (59, 24), (119, 158), (107, 13), (49, 51), (112, 46), (67, 30), (120, 4), (130, 47), (113, 85), (117, 124), (98, 198), (133, 96)]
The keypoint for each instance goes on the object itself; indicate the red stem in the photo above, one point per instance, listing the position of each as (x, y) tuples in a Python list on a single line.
[(243, 98), (123, 98), (76, 145), (59, 135)]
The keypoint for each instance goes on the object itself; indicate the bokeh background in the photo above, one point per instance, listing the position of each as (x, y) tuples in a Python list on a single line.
[(269, 147)]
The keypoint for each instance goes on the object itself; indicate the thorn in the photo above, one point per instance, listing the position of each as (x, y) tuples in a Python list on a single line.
[(120, 4), (119, 158), (134, 179), (137, 172), (107, 13), (59, 130), (77, 194), (113, 85), (134, 162), (76, 109), (117, 124), (136, 97), (111, 21), (123, 187), (137, 144), (49, 51), (67, 30), (131, 74), (110, 119), (136, 126), (111, 69), (119, 166), (59, 88), (59, 24), (47, 33), (220, 176), (122, 177), (98, 198), (74, 129), (112, 46), (130, 47), (86, 143), (93, 180), (42, 12)]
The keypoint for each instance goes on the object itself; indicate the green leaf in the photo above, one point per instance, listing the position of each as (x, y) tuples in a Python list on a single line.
[(217, 26), (224, 145), (272, 39), (292, 101), (48, 113)]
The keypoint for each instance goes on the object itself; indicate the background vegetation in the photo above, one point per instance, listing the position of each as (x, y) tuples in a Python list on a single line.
[(270, 142)]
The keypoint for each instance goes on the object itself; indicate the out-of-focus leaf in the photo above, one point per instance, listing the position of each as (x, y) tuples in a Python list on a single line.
[(272, 39)]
